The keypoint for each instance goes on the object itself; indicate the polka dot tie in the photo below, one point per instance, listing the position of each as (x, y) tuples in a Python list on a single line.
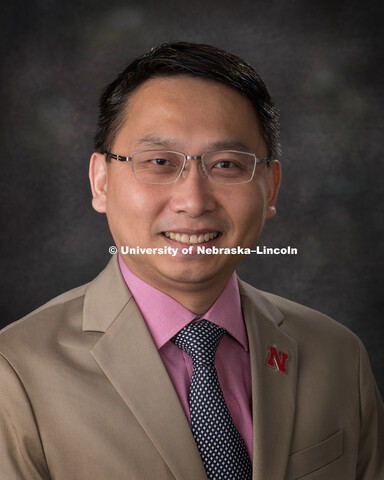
[(221, 447)]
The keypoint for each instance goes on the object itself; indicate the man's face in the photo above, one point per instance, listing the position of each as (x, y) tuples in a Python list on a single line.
[(191, 116)]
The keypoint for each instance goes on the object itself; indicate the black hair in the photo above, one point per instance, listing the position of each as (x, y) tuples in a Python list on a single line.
[(193, 60)]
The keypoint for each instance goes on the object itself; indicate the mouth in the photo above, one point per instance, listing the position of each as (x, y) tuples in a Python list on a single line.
[(191, 239)]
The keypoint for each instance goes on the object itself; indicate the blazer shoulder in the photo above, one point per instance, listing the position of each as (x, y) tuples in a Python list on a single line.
[(58, 301), (36, 327), (64, 317)]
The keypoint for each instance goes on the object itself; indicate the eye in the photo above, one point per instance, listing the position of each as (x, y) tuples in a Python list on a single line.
[(160, 161), (225, 164), (157, 161), (228, 165)]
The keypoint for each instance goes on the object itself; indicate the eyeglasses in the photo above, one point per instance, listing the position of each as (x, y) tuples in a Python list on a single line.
[(229, 167)]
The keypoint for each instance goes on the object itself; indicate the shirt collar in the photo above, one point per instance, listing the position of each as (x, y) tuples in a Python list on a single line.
[(165, 316)]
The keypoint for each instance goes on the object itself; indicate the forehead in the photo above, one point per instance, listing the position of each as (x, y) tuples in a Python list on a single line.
[(190, 110)]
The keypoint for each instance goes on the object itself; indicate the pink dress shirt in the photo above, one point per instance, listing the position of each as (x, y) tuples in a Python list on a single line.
[(164, 317)]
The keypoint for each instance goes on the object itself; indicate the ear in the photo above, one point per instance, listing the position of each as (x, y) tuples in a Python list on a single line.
[(274, 181), (99, 180)]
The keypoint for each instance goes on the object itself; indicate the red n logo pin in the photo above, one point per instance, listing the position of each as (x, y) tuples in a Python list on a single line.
[(276, 359)]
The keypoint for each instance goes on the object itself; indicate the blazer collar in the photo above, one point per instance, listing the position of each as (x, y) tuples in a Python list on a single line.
[(129, 358), (106, 296), (273, 392), (265, 307)]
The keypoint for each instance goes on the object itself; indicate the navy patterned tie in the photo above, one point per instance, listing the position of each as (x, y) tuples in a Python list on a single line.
[(221, 447)]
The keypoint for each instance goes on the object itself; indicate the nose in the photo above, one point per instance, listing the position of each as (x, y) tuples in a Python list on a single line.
[(193, 193)]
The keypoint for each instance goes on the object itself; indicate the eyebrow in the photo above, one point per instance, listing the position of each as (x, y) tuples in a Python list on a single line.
[(167, 142)]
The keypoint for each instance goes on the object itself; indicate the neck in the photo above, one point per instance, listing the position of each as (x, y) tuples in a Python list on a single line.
[(197, 301), (195, 294)]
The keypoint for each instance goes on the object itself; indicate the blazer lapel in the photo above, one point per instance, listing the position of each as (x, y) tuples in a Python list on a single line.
[(273, 391), (130, 360)]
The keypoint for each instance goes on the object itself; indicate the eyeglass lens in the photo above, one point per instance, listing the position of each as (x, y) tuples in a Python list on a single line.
[(161, 166)]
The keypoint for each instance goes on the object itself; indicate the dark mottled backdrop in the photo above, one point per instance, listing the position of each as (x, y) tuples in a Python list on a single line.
[(323, 62)]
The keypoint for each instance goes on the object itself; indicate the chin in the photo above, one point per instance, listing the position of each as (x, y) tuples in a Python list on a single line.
[(187, 276), (193, 274)]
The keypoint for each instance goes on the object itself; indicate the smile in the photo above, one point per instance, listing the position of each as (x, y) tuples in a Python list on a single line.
[(191, 239)]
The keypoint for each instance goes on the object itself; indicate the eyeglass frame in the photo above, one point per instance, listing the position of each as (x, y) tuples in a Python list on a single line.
[(266, 160)]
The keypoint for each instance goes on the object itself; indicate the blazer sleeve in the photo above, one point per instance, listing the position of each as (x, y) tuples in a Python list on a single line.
[(370, 462), (21, 451)]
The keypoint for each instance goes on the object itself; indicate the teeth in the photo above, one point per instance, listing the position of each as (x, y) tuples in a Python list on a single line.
[(192, 239)]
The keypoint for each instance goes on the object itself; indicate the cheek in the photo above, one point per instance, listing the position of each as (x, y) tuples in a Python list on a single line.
[(249, 213), (132, 208), (123, 197)]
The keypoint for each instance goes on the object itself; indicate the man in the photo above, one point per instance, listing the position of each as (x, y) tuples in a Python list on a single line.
[(166, 365)]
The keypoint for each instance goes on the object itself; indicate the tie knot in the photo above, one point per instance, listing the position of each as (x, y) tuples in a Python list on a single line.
[(200, 340)]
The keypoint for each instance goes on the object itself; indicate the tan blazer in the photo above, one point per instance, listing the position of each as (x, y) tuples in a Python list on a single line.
[(84, 394)]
